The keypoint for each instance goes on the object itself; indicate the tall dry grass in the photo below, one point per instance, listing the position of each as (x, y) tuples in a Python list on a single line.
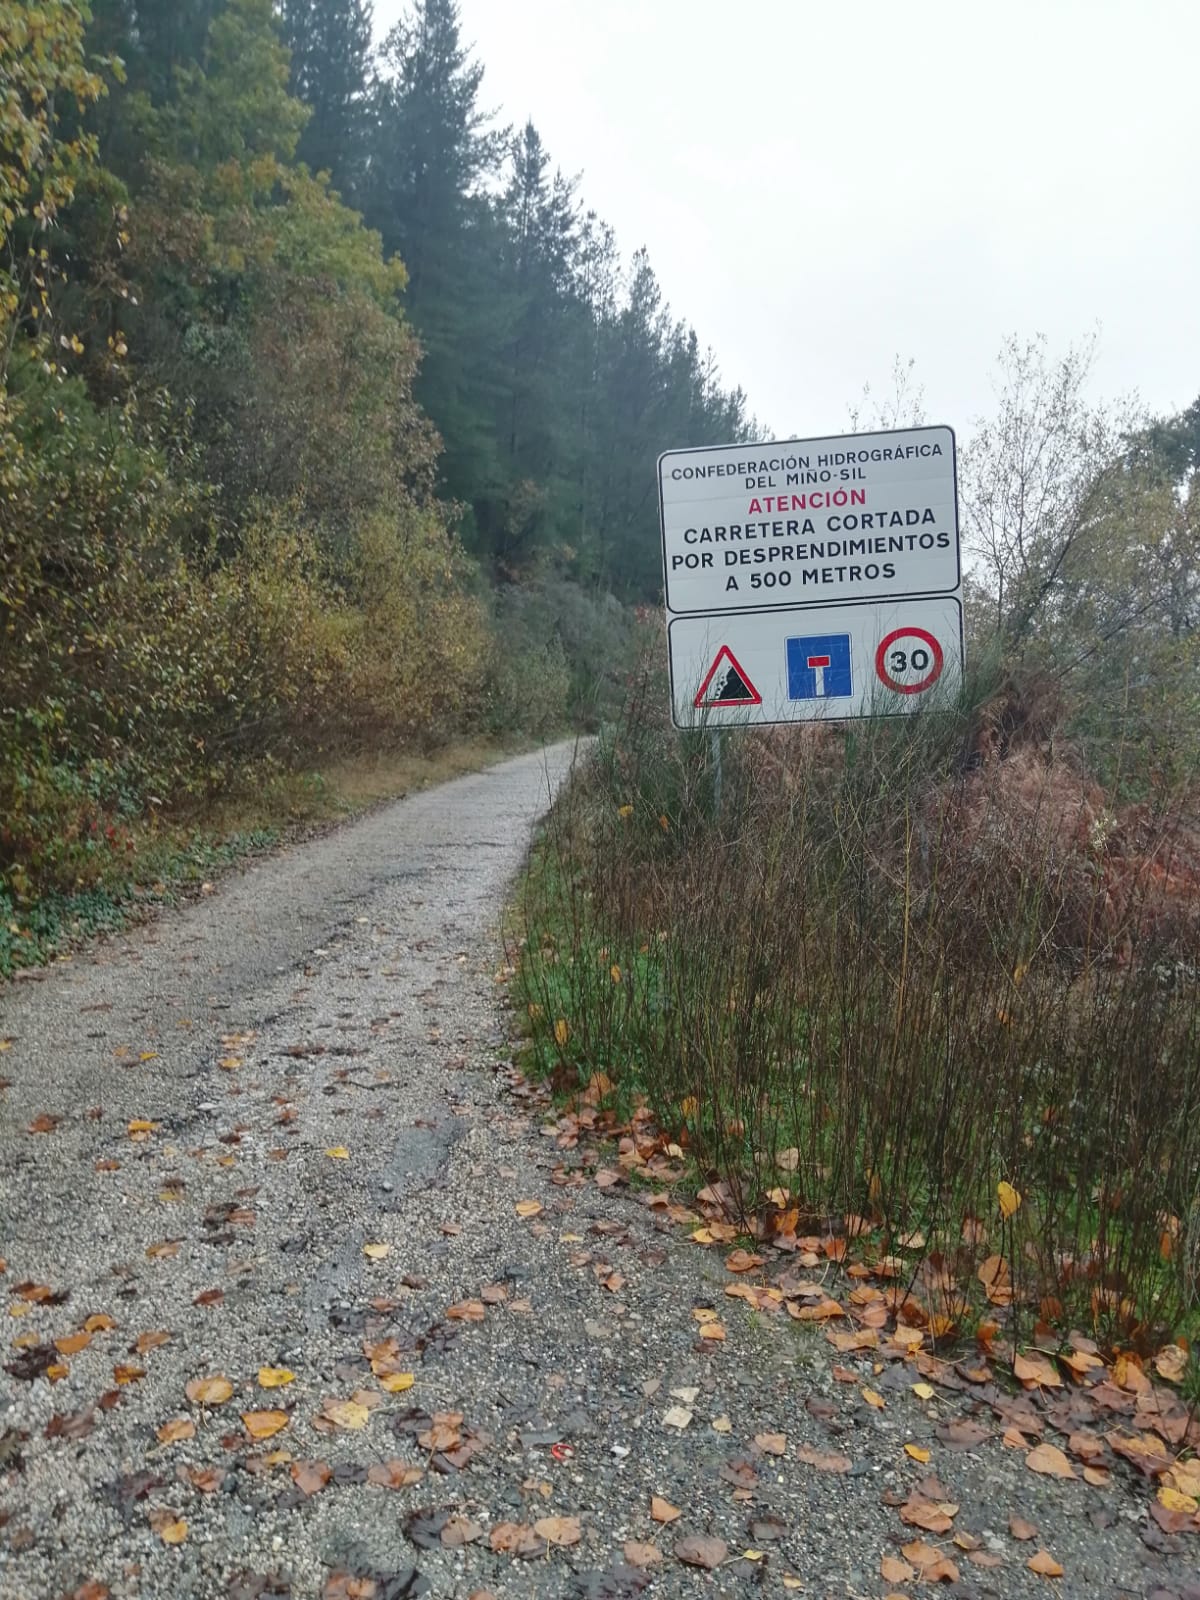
[(905, 960)]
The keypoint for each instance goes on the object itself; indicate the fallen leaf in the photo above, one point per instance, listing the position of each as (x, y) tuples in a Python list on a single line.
[(1020, 1529), (772, 1444), (1174, 1500), (1050, 1460), (125, 1374), (99, 1322), (275, 1377), (338, 1152), (924, 1391), (1171, 1363), (209, 1391), (165, 1250), (1035, 1371), (178, 1428), (677, 1417), (376, 1252), (932, 1516), (173, 1532), (662, 1510), (893, 1570), (639, 1554), (396, 1382), (1044, 1564), (874, 1398), (916, 1452), (824, 1461), (559, 1530), (146, 1342), (467, 1311), (743, 1261), (264, 1424), (44, 1122), (1010, 1200), (209, 1297), (72, 1343), (394, 1474), (701, 1550)]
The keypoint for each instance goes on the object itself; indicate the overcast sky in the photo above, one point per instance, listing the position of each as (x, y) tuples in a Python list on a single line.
[(823, 187)]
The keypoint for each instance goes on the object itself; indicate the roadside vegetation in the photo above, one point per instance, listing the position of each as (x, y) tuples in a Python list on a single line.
[(326, 415), (928, 988)]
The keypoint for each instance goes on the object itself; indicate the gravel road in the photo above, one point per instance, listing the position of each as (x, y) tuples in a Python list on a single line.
[(204, 1124)]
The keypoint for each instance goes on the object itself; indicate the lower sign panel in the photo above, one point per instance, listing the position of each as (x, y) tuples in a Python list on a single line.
[(814, 664)]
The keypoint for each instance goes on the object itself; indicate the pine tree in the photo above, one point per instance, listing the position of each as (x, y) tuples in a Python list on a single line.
[(432, 156), (330, 42), (153, 38)]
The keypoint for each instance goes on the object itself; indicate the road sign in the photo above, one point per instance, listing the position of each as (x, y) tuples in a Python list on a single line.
[(813, 579), (814, 664), (809, 522), (726, 684), (818, 667)]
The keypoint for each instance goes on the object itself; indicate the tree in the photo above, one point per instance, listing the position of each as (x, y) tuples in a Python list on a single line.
[(153, 38), (331, 71)]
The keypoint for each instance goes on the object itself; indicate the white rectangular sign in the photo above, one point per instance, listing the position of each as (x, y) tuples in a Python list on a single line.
[(816, 579), (814, 663), (809, 521)]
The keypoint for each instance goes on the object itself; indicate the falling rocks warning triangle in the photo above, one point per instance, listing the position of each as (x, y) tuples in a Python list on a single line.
[(727, 684)]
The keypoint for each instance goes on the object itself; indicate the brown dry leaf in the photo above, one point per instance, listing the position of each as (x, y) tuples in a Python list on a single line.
[(528, 1208), (893, 1570), (1035, 1371), (209, 1391), (44, 1122), (146, 1342), (1096, 1476), (72, 1343), (467, 1311), (165, 1250), (1146, 1450), (662, 1510), (874, 1398), (712, 1330), (125, 1374), (1185, 1476), (209, 1297), (264, 1424), (1044, 1564), (933, 1516), (823, 1460), (394, 1474), (701, 1550), (173, 1532), (178, 1428), (1020, 1529), (743, 1261), (515, 1539), (559, 1530), (847, 1343), (206, 1479), (459, 1531), (1049, 1460), (772, 1444), (99, 1322), (639, 1554), (275, 1377)]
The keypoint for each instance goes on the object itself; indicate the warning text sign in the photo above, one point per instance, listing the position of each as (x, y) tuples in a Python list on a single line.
[(809, 521)]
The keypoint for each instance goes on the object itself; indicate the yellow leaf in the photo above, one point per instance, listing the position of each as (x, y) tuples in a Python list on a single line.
[(916, 1452), (625, 811), (173, 1532), (263, 1424), (139, 1127), (1175, 1501), (873, 1398), (1010, 1200), (528, 1208), (338, 1153), (397, 1382), (923, 1391), (209, 1391), (561, 1032), (376, 1252), (614, 973), (1045, 1565), (689, 1105), (274, 1377), (346, 1413)]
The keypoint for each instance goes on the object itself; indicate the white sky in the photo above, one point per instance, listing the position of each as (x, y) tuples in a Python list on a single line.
[(822, 187)]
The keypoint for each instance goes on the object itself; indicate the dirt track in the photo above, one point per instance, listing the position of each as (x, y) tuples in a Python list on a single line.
[(240, 1097)]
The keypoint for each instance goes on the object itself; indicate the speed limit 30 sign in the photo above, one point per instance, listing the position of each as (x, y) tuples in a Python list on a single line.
[(909, 660)]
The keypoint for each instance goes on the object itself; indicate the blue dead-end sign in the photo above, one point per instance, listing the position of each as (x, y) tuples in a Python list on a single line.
[(818, 667)]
